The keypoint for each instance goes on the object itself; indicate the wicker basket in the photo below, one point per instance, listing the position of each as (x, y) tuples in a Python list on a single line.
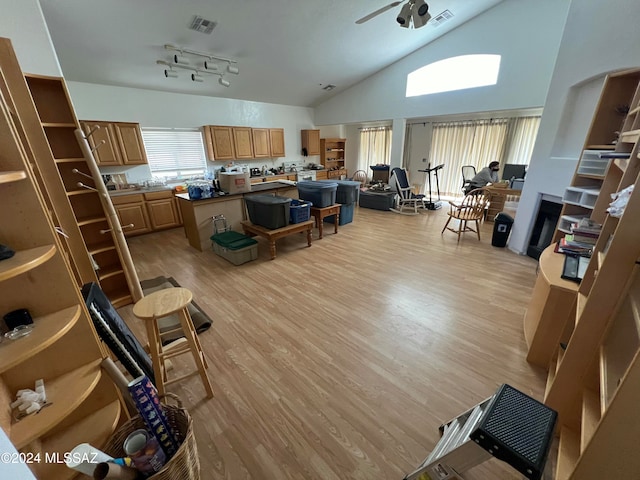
[(185, 464)]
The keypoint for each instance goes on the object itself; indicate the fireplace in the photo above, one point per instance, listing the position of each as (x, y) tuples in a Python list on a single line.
[(544, 226)]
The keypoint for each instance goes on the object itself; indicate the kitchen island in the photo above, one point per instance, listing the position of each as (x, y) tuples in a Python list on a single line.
[(197, 215)]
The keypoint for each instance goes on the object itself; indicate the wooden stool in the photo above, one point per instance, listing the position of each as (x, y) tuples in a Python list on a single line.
[(161, 304)]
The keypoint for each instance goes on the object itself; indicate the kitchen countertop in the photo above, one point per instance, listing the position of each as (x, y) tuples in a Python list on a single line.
[(131, 191), (256, 187)]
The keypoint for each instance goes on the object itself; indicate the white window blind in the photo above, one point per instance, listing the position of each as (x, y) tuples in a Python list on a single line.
[(174, 152)]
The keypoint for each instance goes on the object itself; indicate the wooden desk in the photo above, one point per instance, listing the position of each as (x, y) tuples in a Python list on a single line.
[(273, 235), (320, 212), (498, 196), (550, 310)]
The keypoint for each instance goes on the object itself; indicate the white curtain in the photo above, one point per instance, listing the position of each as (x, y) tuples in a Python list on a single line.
[(521, 139), (375, 147), (455, 144)]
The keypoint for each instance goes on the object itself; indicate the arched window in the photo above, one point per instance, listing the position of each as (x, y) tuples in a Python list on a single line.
[(455, 73)]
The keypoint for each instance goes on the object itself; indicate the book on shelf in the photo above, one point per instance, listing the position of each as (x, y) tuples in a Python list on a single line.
[(622, 155), (573, 248)]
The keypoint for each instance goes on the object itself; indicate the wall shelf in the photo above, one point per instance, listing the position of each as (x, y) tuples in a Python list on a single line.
[(47, 329), (65, 393), (25, 260)]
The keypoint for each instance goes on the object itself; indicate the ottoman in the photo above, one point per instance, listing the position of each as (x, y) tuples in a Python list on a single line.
[(377, 200)]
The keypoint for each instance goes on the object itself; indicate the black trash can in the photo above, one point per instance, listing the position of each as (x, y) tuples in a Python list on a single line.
[(501, 229)]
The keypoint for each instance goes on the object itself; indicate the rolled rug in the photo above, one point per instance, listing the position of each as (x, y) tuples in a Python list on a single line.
[(145, 396)]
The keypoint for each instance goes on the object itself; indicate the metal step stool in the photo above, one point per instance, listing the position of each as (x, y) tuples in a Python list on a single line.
[(510, 426)]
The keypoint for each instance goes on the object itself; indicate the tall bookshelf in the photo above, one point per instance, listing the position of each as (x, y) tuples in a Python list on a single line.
[(594, 383), (63, 348), (45, 116)]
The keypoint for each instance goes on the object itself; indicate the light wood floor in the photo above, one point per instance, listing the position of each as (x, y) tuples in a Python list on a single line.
[(341, 360)]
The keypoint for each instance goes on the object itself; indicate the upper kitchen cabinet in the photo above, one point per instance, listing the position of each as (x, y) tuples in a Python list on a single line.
[(276, 141), (104, 135), (243, 142), (261, 142), (130, 143), (219, 143), (121, 143), (311, 141)]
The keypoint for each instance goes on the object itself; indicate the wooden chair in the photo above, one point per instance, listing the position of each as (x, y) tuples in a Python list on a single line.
[(471, 208), (360, 176)]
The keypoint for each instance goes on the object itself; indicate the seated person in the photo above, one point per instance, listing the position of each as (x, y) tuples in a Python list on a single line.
[(484, 177)]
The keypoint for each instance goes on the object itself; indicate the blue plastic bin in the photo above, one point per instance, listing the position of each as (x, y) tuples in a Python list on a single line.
[(321, 194), (346, 215), (347, 191), (300, 211)]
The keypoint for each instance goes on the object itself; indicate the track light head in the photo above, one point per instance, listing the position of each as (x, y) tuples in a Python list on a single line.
[(170, 74), (196, 78), (180, 60), (405, 15), (209, 65), (233, 69), (421, 8), (222, 81)]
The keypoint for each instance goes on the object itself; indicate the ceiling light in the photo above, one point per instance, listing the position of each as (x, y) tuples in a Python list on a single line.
[(420, 7), (222, 81), (170, 74), (405, 15), (209, 65), (233, 69), (420, 14), (196, 78), (180, 60)]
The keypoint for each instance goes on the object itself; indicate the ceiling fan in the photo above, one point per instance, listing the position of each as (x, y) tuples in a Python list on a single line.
[(414, 12)]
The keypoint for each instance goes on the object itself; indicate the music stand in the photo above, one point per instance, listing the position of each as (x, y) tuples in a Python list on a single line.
[(431, 205)]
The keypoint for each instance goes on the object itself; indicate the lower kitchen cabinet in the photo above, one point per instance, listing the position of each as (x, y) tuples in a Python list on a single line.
[(148, 212)]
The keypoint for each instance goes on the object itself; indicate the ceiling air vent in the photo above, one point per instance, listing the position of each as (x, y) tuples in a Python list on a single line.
[(201, 25), (441, 18)]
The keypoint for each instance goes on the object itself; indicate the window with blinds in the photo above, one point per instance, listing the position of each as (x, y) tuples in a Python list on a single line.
[(174, 152)]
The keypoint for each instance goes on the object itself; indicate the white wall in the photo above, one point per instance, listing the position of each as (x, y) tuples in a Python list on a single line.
[(598, 38), (163, 110), (29, 35), (527, 35)]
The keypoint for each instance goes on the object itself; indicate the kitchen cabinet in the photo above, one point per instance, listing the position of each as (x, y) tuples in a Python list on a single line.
[(276, 142), (147, 211), (162, 210), (311, 141), (118, 143), (242, 142), (131, 210), (261, 143), (63, 348), (219, 142), (130, 142), (321, 175)]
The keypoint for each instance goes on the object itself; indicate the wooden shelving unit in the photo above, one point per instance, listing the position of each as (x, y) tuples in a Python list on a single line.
[(595, 383), (332, 156), (63, 349)]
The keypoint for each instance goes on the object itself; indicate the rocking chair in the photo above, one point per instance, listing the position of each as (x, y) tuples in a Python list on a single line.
[(407, 198), (471, 209)]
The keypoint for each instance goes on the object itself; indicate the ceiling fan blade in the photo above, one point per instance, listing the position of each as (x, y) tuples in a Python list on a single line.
[(366, 18)]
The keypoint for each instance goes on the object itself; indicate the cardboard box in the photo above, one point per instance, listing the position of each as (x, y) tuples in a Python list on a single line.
[(234, 182)]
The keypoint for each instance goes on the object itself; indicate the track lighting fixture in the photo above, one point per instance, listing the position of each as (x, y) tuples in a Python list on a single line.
[(211, 65), (180, 60), (414, 12)]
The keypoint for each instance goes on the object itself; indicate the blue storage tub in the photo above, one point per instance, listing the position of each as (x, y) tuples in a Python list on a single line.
[(300, 211), (321, 194), (347, 191), (346, 215)]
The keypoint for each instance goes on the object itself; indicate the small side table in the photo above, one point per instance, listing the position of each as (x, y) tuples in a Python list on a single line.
[(162, 304), (273, 235), (320, 212)]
